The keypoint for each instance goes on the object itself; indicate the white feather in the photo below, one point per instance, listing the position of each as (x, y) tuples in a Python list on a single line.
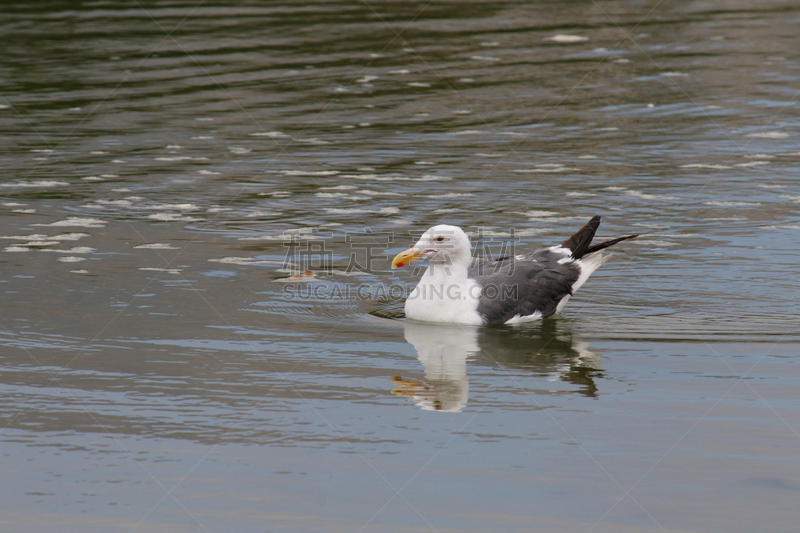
[(445, 298), (522, 319), (587, 264)]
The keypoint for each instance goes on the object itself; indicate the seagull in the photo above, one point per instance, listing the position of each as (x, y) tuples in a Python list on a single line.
[(455, 289)]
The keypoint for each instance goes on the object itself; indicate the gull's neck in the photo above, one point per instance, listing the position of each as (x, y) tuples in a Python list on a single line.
[(446, 270)]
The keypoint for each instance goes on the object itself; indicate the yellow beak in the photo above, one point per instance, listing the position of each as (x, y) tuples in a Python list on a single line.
[(404, 258)]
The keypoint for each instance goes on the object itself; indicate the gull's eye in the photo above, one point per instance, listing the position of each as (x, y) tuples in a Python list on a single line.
[(439, 239)]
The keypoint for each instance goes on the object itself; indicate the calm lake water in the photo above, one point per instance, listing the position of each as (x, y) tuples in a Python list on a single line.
[(171, 170)]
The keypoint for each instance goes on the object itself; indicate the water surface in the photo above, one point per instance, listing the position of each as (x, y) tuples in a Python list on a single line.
[(173, 169)]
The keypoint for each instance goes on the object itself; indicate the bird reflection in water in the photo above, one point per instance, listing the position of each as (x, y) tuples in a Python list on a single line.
[(443, 352), (547, 350)]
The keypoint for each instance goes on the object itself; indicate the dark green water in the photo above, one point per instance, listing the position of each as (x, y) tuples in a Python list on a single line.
[(169, 166)]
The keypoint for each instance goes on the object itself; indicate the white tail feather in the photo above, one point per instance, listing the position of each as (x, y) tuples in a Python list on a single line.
[(588, 264)]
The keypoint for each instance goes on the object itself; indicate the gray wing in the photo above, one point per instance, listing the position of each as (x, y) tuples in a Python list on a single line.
[(522, 285)]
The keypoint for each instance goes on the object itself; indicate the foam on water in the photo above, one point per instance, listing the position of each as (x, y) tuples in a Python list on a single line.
[(536, 213), (732, 204), (172, 217), (645, 196), (567, 39), (69, 236), (160, 269), (156, 246), (78, 222), (244, 261), (751, 164), (73, 250), (376, 177), (35, 184), (362, 211), (546, 169), (769, 135), (308, 172), (378, 193), (705, 165)]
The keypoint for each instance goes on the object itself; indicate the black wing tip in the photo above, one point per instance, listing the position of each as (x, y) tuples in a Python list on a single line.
[(606, 244), (581, 241)]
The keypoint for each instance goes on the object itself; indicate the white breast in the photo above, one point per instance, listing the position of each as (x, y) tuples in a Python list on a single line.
[(445, 299)]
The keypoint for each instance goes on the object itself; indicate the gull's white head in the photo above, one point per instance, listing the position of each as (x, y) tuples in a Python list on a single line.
[(440, 244)]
